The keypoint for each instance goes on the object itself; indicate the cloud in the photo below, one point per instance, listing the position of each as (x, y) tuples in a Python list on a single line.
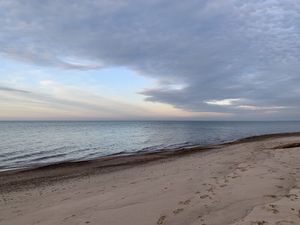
[(237, 103), (13, 90), (223, 102), (53, 101), (210, 49)]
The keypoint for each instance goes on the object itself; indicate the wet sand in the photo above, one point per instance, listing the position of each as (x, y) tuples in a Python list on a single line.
[(253, 181)]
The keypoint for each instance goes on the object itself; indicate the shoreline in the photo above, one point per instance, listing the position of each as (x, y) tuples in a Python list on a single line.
[(252, 181), (48, 174), (141, 153)]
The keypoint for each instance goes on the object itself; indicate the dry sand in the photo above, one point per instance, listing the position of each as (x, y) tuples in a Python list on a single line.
[(255, 182)]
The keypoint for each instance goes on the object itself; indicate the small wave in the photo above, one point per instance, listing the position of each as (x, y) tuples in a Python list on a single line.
[(163, 147), (30, 155), (48, 157), (6, 154)]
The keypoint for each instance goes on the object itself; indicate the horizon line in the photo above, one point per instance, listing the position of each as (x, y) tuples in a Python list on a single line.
[(149, 120)]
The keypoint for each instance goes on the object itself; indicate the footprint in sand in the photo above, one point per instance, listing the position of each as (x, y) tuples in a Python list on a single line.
[(292, 197), (186, 202), (161, 220), (259, 223), (176, 211), (271, 196), (272, 208), (204, 196)]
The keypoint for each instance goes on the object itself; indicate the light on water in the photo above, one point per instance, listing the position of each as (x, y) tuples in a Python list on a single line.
[(24, 144)]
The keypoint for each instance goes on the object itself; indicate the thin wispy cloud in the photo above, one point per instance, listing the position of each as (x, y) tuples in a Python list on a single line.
[(14, 90), (205, 55), (67, 101)]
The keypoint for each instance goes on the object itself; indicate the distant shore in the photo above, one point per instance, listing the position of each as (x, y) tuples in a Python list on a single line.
[(250, 180)]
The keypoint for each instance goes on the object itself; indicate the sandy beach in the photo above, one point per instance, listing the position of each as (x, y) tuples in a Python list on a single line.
[(255, 181)]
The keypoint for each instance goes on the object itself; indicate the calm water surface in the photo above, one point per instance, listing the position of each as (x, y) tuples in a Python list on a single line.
[(24, 144)]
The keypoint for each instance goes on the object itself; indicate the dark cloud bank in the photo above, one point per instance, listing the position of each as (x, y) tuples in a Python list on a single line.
[(232, 56)]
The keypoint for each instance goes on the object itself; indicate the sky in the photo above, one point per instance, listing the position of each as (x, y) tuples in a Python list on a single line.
[(149, 60)]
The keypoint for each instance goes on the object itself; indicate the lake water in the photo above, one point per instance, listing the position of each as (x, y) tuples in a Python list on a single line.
[(25, 144)]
